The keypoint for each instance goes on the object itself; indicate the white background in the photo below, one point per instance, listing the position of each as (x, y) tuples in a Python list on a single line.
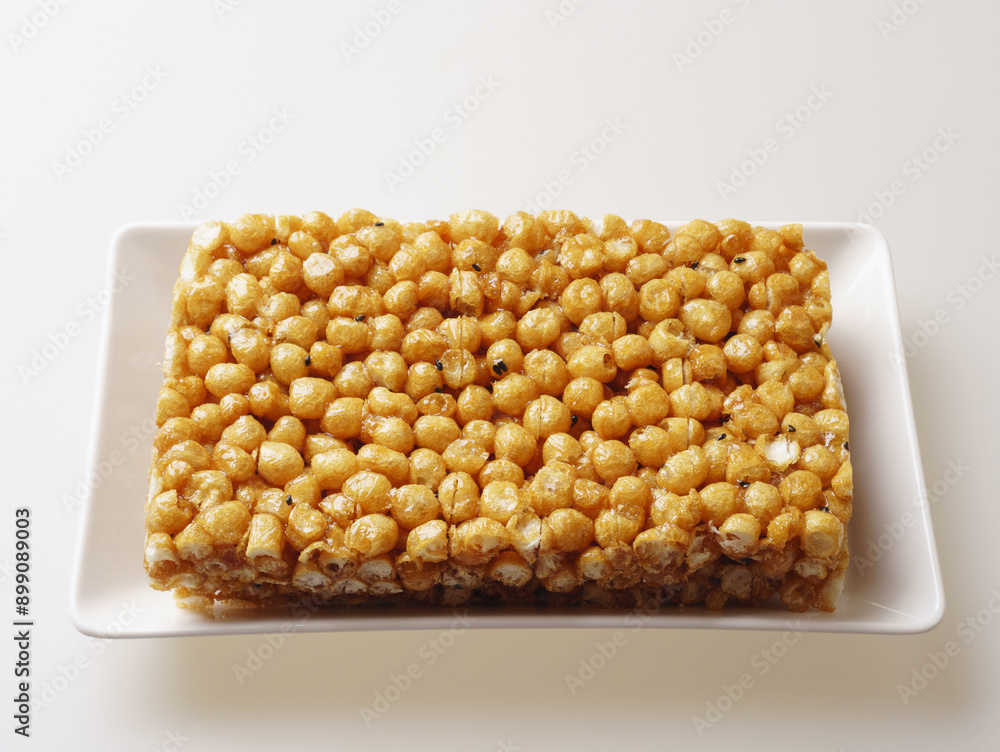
[(894, 76)]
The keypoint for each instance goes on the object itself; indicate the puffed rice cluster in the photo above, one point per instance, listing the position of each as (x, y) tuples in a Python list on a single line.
[(544, 410)]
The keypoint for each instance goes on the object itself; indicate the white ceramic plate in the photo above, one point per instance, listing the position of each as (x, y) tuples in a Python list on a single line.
[(900, 592)]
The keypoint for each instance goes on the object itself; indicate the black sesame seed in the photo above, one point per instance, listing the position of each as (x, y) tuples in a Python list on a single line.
[(288, 500), (476, 267), (694, 265), (744, 483), (380, 224), (499, 367), (651, 368), (722, 437), (439, 365), (847, 446), (573, 420), (274, 241), (309, 360), (824, 509), (725, 418), (791, 429), (360, 318), (739, 260), (439, 390)]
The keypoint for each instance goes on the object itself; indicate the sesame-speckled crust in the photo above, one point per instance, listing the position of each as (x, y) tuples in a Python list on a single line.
[(544, 411)]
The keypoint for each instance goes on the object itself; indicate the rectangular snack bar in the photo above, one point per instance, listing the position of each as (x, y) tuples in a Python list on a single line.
[(543, 410)]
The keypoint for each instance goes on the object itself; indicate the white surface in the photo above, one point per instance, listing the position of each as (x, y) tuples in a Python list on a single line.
[(902, 595), (683, 132)]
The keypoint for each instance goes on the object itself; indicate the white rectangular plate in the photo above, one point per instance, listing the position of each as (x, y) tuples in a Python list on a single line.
[(900, 592)]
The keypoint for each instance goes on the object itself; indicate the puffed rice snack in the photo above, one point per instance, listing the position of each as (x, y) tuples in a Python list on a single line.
[(547, 410)]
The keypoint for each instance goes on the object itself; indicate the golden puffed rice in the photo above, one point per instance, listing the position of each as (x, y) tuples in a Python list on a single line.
[(546, 409)]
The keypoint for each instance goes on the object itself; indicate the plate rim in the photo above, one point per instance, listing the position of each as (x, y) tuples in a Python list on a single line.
[(738, 619)]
